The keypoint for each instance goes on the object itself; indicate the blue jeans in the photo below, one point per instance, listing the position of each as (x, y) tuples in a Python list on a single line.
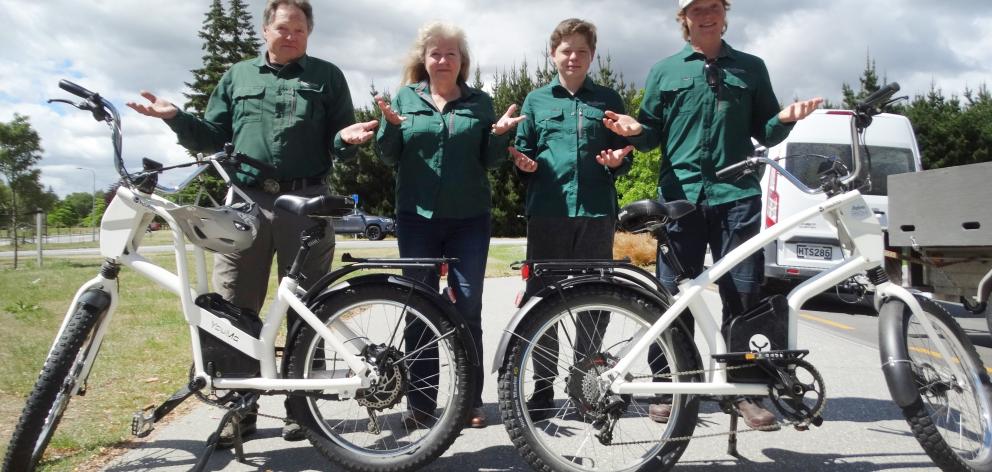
[(722, 228), (468, 240)]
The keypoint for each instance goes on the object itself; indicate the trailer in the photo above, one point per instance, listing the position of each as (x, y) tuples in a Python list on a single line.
[(940, 226)]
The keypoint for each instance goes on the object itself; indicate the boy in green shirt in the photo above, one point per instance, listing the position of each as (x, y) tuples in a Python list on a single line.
[(569, 161)]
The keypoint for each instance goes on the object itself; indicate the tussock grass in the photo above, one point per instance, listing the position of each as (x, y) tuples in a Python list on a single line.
[(640, 248)]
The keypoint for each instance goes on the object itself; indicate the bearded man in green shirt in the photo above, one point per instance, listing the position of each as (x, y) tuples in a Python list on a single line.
[(569, 162), (702, 106), (293, 112)]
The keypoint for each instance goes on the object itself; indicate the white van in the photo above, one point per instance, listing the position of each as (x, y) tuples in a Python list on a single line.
[(812, 247)]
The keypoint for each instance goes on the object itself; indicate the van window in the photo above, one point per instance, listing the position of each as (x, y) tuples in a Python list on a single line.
[(885, 161)]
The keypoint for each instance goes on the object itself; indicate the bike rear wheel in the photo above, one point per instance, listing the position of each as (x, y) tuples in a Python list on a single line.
[(59, 378), (563, 346), (409, 435), (951, 417)]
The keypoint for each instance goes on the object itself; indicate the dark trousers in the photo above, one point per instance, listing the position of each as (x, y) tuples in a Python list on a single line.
[(468, 240), (723, 228), (564, 238)]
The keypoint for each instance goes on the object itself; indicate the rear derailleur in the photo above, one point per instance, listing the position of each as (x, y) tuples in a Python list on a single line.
[(597, 405)]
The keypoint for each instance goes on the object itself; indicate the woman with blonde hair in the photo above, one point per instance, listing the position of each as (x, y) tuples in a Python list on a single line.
[(441, 136)]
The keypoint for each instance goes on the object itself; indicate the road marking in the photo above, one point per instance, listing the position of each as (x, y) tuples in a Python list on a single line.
[(936, 355), (826, 321)]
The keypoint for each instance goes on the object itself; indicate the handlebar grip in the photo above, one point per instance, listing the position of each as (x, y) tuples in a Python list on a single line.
[(251, 161), (75, 89), (732, 170), (879, 96)]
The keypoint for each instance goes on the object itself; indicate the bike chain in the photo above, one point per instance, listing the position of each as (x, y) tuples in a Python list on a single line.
[(771, 427)]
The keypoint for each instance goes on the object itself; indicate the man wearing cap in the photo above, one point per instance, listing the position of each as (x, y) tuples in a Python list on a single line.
[(702, 106), (293, 112)]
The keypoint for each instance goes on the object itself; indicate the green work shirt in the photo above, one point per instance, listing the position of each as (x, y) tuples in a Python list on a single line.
[(288, 117), (441, 156), (564, 133), (701, 134)]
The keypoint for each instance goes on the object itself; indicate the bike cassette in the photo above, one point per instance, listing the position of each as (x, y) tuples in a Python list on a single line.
[(799, 393)]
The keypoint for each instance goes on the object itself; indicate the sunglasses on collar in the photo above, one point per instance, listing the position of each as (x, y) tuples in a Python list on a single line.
[(713, 74)]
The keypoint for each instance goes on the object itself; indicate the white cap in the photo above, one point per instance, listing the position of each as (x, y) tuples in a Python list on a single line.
[(685, 3)]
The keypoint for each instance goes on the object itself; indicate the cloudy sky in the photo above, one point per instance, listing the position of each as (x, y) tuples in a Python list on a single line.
[(118, 47)]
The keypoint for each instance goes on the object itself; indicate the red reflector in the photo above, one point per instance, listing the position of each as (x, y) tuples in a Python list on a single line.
[(450, 292), (792, 271), (771, 209), (443, 269), (525, 271), (841, 112)]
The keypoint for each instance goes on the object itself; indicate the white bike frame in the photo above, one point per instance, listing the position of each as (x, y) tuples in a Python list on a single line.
[(861, 238), (121, 232)]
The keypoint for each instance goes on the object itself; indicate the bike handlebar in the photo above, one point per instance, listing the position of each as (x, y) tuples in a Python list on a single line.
[(76, 89), (105, 111), (881, 95), (734, 170)]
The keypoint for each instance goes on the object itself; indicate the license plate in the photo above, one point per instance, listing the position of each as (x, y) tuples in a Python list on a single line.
[(812, 251)]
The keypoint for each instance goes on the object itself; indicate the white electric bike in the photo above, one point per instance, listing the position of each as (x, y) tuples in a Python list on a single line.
[(609, 341), (346, 367)]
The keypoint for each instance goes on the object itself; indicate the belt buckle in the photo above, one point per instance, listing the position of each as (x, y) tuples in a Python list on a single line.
[(270, 186)]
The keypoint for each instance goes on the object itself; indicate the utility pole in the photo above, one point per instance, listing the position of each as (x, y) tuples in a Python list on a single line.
[(93, 209)]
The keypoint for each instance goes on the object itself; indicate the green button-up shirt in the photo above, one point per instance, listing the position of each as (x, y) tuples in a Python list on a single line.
[(289, 117), (701, 133), (564, 134), (441, 156)]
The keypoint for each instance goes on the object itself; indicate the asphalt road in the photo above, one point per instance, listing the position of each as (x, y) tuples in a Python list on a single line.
[(863, 431)]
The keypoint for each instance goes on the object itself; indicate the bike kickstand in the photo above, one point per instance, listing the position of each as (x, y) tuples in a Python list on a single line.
[(244, 407), (732, 438), (214, 438)]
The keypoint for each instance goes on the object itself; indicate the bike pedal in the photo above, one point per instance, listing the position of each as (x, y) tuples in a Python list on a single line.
[(142, 423)]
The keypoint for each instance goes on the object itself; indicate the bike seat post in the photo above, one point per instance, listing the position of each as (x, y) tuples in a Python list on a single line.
[(665, 251), (308, 239)]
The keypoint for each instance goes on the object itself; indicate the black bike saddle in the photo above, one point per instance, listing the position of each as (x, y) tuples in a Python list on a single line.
[(324, 205), (645, 214)]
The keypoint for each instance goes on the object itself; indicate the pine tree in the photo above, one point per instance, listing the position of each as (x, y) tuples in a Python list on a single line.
[(215, 60), (241, 41), (869, 84)]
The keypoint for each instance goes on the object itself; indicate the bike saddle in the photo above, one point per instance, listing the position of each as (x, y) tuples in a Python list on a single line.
[(324, 205), (643, 214)]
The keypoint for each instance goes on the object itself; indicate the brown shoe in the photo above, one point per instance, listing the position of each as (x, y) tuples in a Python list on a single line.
[(756, 416), (476, 419), (660, 413)]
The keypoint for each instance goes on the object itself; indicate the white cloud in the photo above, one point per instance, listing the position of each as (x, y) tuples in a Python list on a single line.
[(119, 47)]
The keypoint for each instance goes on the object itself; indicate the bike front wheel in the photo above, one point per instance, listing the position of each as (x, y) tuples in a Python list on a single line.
[(558, 415), (56, 384), (952, 414), (418, 407)]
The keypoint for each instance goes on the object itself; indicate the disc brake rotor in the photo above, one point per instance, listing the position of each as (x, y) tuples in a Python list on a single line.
[(393, 381)]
